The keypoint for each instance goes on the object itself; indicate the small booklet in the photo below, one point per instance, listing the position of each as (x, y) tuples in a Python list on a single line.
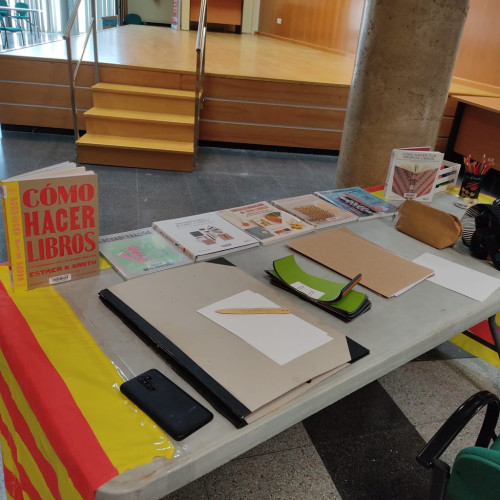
[(412, 175), (315, 211), (204, 236), (359, 202), (265, 222), (338, 299), (143, 251)]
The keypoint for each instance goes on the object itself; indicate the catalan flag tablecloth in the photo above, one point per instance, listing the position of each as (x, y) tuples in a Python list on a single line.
[(65, 427)]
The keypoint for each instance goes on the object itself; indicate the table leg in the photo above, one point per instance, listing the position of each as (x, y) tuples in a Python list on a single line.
[(494, 332)]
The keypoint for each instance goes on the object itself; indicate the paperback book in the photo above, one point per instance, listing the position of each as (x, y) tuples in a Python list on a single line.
[(139, 252), (359, 202), (265, 222), (315, 211), (51, 225), (204, 236), (412, 175)]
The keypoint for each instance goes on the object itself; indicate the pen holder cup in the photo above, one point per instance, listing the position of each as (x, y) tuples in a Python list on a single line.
[(471, 186), (469, 190)]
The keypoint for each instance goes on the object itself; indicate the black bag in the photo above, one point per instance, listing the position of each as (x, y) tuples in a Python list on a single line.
[(481, 231)]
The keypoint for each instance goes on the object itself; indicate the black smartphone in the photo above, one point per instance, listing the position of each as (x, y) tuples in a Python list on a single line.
[(173, 409)]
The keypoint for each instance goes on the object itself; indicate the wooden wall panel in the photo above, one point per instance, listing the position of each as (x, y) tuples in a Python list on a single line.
[(273, 114), (278, 136), (335, 24), (41, 94), (161, 79), (14, 114), (39, 70), (478, 133), (478, 56), (277, 92), (332, 24)]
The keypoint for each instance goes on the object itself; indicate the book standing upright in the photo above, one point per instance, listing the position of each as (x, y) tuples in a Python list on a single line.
[(51, 225), (412, 175)]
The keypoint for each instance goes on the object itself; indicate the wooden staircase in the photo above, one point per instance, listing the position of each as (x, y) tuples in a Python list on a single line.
[(143, 127)]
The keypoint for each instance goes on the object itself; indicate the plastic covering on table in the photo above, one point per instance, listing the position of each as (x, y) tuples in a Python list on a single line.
[(65, 427)]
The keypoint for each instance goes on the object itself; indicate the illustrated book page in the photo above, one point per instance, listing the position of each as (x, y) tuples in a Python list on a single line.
[(359, 202), (412, 175), (204, 236), (265, 222), (142, 251), (314, 210)]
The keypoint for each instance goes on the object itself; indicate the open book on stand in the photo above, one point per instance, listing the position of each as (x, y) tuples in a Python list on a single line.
[(51, 225)]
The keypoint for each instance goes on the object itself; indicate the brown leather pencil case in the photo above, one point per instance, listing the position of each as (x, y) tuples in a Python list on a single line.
[(430, 225)]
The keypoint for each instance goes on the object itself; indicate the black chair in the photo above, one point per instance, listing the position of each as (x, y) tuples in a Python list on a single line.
[(476, 470)]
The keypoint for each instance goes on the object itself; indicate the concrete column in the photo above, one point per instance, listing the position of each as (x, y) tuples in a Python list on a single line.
[(404, 64)]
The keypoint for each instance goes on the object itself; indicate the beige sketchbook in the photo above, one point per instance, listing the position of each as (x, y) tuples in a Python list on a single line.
[(349, 254), (240, 380)]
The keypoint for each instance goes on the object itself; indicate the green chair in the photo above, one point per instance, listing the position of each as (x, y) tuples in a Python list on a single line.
[(133, 19), (22, 17), (4, 27), (475, 474)]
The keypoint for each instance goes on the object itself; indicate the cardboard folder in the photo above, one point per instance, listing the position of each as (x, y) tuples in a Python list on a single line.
[(240, 382), (349, 254)]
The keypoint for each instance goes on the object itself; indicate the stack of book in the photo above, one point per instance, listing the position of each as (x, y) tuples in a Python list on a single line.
[(338, 299)]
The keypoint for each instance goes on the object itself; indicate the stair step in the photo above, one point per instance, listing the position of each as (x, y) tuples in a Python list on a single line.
[(139, 144), (148, 99), (139, 124), (139, 90), (140, 116)]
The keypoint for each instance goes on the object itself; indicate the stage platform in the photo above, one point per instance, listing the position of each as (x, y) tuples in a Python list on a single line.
[(258, 90)]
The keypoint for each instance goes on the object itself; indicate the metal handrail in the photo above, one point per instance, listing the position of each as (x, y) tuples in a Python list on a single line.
[(73, 75), (200, 73)]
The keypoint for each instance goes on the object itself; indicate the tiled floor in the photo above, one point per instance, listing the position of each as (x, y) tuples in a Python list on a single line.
[(362, 447)]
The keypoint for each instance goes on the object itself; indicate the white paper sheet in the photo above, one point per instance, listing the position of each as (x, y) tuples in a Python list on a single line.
[(281, 337), (461, 279)]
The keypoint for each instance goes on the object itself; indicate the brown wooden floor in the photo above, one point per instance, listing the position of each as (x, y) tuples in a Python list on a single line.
[(232, 55), (258, 90)]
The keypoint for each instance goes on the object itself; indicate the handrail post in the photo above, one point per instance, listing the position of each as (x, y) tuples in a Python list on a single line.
[(200, 72), (72, 89), (94, 38), (72, 75)]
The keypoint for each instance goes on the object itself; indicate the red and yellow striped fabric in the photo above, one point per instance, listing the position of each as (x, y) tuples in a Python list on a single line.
[(65, 427)]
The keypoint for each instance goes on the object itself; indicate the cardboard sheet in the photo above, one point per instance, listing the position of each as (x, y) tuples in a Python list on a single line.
[(349, 254), (168, 302)]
